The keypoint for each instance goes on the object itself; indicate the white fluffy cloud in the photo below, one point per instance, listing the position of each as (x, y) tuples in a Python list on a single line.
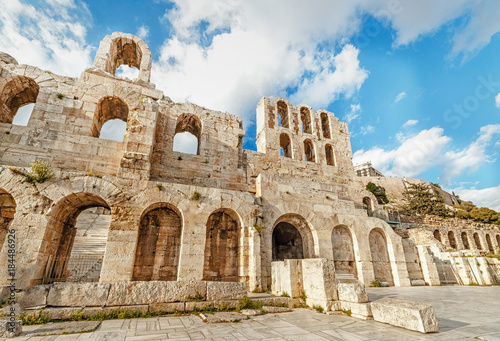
[(353, 113), (414, 155), (399, 97), (486, 197), (51, 36), (497, 101), (410, 123), (430, 148), (143, 32)]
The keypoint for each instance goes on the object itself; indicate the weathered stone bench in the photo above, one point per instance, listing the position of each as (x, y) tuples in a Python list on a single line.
[(406, 314)]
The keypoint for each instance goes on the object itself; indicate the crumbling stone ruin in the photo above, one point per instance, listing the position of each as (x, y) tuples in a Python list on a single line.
[(116, 212)]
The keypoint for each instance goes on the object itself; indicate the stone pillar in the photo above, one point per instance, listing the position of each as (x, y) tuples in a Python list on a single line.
[(139, 139), (429, 269), (119, 257), (318, 276), (254, 262)]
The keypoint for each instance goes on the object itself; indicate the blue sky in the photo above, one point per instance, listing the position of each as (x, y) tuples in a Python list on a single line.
[(417, 81)]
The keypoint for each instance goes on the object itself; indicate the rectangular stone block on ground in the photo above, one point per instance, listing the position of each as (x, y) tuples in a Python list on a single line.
[(226, 290), (352, 292), (10, 329), (406, 314), (173, 307), (34, 296), (359, 310), (78, 294)]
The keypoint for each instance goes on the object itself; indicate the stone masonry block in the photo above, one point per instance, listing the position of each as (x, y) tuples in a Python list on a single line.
[(406, 314)]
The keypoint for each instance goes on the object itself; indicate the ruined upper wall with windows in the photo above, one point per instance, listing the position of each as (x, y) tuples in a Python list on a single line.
[(69, 114)]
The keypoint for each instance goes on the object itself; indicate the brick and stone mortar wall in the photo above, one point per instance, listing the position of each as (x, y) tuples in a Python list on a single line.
[(224, 211)]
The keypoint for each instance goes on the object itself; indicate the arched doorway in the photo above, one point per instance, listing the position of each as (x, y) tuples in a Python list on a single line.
[(343, 251), (490, 244), (222, 247), (477, 241), (380, 257), (158, 246), (7, 211), (291, 238), (67, 263), (465, 241), (18, 92), (451, 238), (437, 235)]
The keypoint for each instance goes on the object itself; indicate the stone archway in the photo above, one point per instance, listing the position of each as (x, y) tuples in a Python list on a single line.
[(451, 238), (287, 242), (343, 251), (380, 256), (158, 247), (60, 237), (291, 238), (489, 243), (465, 241), (7, 211), (222, 247), (477, 241)]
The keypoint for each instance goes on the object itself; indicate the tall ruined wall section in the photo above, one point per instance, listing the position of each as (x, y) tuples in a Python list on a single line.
[(218, 209)]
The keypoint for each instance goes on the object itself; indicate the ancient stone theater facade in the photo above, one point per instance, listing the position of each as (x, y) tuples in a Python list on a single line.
[(223, 214)]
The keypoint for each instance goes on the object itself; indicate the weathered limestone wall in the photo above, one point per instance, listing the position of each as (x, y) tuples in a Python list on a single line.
[(219, 215)]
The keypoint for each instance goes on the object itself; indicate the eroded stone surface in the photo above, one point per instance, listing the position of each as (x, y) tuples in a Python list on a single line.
[(223, 317), (406, 314), (78, 294), (352, 292)]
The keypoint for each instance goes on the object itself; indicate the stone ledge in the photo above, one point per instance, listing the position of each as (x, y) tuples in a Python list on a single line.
[(406, 314)]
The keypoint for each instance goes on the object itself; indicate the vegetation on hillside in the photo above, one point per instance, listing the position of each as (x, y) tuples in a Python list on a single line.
[(379, 193), (423, 199)]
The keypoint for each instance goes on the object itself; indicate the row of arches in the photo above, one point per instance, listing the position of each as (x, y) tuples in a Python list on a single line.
[(305, 119), (159, 239), (467, 244), (290, 242), (286, 150)]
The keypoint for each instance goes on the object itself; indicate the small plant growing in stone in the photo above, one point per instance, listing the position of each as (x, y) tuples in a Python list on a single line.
[(259, 228), (196, 298), (303, 295), (60, 96), (347, 312), (376, 283), (318, 308), (246, 303), (196, 196), (223, 306), (34, 318), (40, 171), (285, 294), (160, 187)]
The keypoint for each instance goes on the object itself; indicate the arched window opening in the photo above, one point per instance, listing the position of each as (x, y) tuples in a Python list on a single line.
[(114, 130), (187, 134), (465, 241), (305, 117), (109, 108), (287, 242), (367, 204), (285, 145), (437, 235), (126, 71), (309, 151), (325, 125), (17, 93), (283, 115), (490, 245), (158, 246), (343, 251), (477, 241), (221, 247), (330, 156), (124, 52), (77, 234), (380, 257), (23, 115), (7, 211), (451, 238)]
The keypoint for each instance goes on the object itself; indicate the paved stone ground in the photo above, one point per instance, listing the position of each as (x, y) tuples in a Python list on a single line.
[(464, 313)]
